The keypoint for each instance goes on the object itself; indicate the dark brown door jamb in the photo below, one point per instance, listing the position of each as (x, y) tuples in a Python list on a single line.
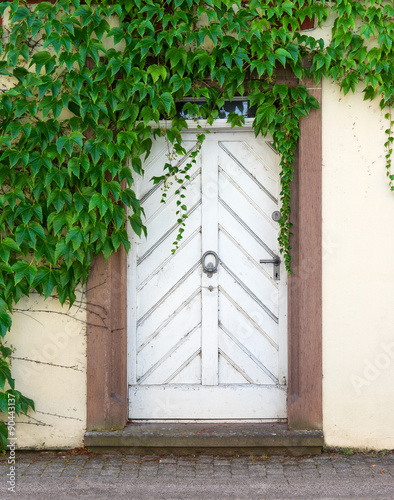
[(305, 282)]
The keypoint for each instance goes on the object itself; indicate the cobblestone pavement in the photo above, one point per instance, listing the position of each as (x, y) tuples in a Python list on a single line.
[(55, 464), (368, 469)]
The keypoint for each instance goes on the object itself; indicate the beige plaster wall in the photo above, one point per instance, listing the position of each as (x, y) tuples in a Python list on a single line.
[(49, 366), (358, 275)]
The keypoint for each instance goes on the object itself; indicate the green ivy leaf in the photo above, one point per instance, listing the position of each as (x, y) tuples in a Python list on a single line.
[(20, 14), (5, 321), (46, 278), (168, 101), (24, 269)]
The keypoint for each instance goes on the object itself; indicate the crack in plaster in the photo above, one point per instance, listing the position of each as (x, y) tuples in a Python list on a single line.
[(59, 416), (75, 367)]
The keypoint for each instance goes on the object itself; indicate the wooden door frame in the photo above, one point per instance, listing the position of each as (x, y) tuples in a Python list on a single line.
[(107, 385)]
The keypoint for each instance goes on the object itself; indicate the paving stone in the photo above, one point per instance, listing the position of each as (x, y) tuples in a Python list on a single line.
[(71, 473), (278, 469), (112, 473), (88, 472), (127, 475), (31, 473)]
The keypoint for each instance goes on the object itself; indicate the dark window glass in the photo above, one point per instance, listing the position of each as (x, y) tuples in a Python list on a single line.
[(239, 107)]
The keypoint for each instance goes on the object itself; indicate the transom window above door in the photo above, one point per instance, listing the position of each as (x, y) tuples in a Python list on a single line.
[(239, 106)]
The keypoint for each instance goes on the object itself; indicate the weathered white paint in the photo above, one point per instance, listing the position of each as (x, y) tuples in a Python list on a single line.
[(192, 334), (207, 403), (49, 366), (358, 275)]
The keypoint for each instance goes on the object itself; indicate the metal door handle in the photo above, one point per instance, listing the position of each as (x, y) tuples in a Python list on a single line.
[(210, 268), (276, 262)]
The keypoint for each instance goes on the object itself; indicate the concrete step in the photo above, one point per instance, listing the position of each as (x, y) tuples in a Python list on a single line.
[(218, 438)]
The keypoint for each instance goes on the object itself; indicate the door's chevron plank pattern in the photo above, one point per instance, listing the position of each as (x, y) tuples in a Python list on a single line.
[(248, 173), (156, 163), (246, 227), (168, 320), (159, 216), (261, 285), (169, 276), (155, 159), (170, 257), (256, 263), (237, 368), (249, 292), (183, 366), (188, 185), (224, 345), (157, 153), (248, 317), (243, 238), (257, 221), (232, 192), (166, 308), (177, 355), (259, 160), (142, 182), (161, 253), (251, 339), (229, 374), (257, 206), (166, 216), (245, 184), (191, 374), (166, 295), (247, 303), (154, 208), (168, 331), (167, 338), (270, 144), (166, 234)]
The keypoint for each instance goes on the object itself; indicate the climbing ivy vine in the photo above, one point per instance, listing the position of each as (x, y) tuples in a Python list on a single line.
[(87, 87)]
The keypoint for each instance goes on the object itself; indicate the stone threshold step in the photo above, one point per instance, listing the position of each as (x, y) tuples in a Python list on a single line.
[(217, 438)]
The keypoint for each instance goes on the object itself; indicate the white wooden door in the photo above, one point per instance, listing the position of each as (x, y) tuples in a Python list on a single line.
[(199, 347)]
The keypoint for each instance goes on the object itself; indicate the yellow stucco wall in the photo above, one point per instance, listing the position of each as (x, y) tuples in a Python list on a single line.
[(49, 366), (358, 275)]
